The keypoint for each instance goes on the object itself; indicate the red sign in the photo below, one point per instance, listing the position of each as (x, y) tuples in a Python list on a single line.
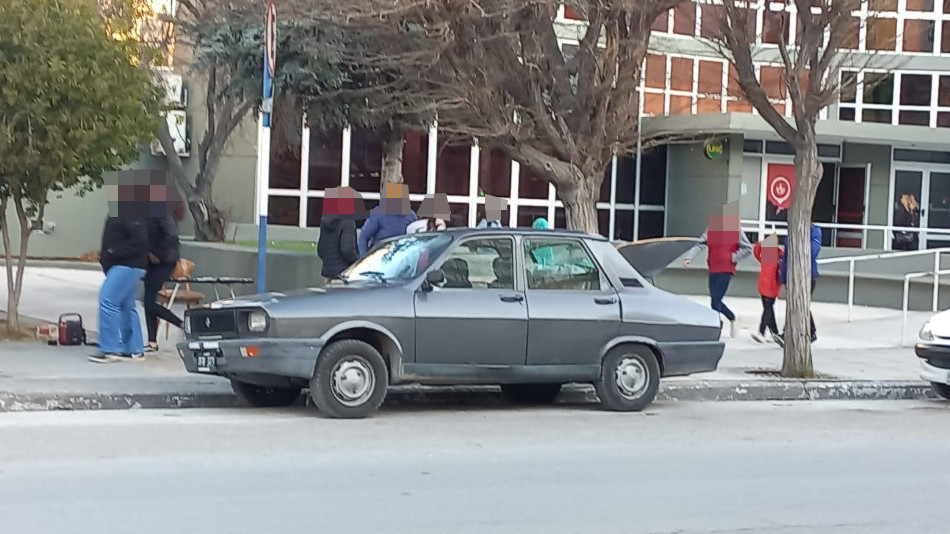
[(780, 185), (270, 37)]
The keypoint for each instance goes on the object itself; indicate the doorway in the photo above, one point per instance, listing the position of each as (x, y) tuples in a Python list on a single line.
[(850, 206), (929, 189)]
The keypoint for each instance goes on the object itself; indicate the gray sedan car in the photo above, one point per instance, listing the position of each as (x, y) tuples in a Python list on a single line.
[(529, 310)]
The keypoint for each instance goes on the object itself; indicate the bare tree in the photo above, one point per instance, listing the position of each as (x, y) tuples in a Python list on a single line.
[(196, 24), (824, 45), (496, 70)]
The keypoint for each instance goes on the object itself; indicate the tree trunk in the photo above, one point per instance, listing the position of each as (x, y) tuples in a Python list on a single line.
[(797, 361), (13, 317), (210, 221), (580, 205), (392, 155)]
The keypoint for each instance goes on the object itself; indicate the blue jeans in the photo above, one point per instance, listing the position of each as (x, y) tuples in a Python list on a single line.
[(718, 285), (120, 331)]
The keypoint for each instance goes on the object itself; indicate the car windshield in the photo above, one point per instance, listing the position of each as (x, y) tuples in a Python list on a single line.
[(399, 259)]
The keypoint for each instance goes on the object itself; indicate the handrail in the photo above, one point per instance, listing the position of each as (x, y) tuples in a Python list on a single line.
[(906, 297), (847, 226)]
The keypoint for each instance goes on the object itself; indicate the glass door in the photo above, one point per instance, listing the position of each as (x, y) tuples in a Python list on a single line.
[(908, 188), (937, 213)]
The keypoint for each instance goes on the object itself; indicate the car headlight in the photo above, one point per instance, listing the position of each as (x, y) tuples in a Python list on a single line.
[(187, 324), (925, 333), (257, 321)]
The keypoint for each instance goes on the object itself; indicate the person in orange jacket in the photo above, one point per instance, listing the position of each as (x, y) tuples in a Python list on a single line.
[(769, 254)]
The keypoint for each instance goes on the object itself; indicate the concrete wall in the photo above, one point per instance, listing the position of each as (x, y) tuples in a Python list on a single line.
[(696, 186), (879, 156), (285, 270)]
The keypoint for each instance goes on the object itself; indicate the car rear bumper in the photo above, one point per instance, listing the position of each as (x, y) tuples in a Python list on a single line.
[(684, 358), (293, 358)]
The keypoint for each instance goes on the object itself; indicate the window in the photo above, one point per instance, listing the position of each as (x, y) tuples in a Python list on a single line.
[(325, 159), (452, 169), (399, 259), (559, 264), (494, 172), (919, 35), (366, 160), (684, 19), (415, 160), (915, 89), (481, 264), (285, 146)]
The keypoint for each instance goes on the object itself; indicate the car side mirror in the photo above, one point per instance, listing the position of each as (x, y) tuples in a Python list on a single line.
[(433, 278)]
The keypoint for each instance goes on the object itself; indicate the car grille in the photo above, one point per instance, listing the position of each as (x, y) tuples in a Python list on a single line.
[(206, 323)]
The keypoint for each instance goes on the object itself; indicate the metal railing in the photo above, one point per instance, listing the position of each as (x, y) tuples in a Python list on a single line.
[(780, 228), (906, 298), (889, 255)]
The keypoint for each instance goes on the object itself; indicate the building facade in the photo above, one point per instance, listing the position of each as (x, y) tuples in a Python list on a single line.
[(887, 138)]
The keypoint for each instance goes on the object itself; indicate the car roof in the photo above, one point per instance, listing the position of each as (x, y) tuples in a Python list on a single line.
[(464, 232)]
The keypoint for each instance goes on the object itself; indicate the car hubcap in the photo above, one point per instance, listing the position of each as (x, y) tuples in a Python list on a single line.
[(353, 381), (631, 377)]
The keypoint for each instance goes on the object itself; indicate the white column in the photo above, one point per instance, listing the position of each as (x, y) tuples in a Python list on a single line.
[(473, 168), (304, 171), (345, 157), (260, 188), (611, 227), (512, 202), (431, 160)]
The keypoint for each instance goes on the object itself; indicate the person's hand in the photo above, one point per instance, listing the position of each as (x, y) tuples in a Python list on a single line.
[(686, 263), (152, 258)]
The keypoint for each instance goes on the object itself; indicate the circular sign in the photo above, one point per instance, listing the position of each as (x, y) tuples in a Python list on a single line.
[(780, 191), (714, 149), (270, 37)]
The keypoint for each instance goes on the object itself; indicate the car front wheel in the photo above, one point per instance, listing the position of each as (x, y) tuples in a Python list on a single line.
[(530, 393), (629, 379), (262, 396), (941, 389), (350, 380)]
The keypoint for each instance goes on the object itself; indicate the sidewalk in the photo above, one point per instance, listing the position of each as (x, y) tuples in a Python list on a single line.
[(862, 359)]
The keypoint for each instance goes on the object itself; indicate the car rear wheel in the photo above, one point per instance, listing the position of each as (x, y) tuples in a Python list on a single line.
[(530, 393), (262, 396), (941, 389), (350, 380), (629, 378)]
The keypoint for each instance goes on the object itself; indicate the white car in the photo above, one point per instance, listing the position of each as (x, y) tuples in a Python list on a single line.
[(933, 349)]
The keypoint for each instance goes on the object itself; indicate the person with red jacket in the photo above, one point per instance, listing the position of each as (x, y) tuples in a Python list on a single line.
[(769, 254), (727, 245)]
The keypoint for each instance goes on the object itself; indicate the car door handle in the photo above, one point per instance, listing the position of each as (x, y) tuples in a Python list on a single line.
[(511, 298), (605, 300)]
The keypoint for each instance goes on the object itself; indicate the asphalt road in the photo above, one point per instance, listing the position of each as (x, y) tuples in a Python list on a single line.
[(824, 467)]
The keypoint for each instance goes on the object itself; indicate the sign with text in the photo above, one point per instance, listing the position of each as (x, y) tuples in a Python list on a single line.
[(780, 185)]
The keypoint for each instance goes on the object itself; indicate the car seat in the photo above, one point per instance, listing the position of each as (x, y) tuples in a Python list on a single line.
[(503, 278), (456, 273)]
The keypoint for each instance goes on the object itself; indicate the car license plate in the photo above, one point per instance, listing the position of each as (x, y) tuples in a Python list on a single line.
[(206, 361)]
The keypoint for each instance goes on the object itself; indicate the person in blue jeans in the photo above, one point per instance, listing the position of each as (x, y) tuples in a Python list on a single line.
[(124, 257)]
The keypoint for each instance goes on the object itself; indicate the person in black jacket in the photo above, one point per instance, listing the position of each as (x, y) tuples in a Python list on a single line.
[(163, 257), (337, 246), (124, 256)]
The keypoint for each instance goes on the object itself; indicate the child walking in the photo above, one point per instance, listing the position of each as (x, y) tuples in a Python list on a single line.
[(769, 254)]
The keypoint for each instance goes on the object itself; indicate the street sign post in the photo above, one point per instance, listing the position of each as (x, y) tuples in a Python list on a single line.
[(263, 146)]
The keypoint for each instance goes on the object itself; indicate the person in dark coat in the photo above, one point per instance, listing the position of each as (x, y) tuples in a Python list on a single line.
[(124, 257), (337, 246), (163, 257)]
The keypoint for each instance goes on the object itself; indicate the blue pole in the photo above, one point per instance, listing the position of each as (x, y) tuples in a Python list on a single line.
[(264, 150)]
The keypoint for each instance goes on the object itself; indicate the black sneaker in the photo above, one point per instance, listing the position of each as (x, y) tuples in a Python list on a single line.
[(151, 348), (814, 337)]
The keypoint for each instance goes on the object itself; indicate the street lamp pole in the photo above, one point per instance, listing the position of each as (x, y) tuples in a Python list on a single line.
[(263, 146)]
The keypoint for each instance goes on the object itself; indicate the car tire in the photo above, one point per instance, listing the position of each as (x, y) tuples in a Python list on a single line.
[(530, 393), (350, 380), (264, 397), (629, 378), (941, 389)]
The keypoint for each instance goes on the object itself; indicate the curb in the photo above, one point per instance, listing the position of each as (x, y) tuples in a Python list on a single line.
[(686, 391)]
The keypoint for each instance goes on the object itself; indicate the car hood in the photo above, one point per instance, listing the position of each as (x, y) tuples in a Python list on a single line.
[(270, 299), (650, 257), (940, 324)]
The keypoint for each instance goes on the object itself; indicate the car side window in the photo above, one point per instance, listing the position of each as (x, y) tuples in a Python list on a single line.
[(565, 264), (484, 263)]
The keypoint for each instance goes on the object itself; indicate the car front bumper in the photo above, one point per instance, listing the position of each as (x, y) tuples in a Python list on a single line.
[(934, 362), (293, 358)]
